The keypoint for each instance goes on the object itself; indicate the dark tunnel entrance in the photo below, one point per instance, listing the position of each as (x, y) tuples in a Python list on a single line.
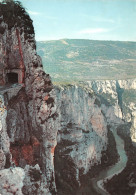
[(12, 78)]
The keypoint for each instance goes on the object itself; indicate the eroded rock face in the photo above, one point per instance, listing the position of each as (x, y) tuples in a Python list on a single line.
[(28, 115), (4, 138), (82, 136), (35, 117), (83, 123), (85, 110), (118, 101), (11, 181)]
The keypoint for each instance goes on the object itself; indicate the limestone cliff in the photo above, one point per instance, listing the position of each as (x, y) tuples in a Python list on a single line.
[(39, 122), (82, 136), (82, 123), (85, 109), (33, 120), (118, 101), (28, 118)]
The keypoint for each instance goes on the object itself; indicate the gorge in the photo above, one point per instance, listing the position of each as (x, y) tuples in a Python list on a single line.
[(56, 138)]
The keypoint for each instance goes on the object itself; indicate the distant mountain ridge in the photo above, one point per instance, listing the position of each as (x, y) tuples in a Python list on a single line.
[(80, 59)]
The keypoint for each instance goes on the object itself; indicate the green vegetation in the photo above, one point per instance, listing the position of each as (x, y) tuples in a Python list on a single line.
[(109, 158), (15, 15), (125, 182), (107, 99), (129, 95), (73, 60)]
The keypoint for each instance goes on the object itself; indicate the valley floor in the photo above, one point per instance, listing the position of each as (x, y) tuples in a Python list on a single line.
[(109, 159), (125, 182), (107, 174)]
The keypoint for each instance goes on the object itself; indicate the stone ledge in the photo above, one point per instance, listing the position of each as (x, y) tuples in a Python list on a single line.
[(10, 90)]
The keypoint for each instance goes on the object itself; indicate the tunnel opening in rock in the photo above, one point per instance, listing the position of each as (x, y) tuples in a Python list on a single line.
[(12, 78)]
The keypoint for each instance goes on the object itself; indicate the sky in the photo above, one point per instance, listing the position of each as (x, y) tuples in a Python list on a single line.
[(83, 19)]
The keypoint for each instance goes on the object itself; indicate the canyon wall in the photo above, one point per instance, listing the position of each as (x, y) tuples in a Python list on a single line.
[(28, 112), (82, 136), (42, 126), (85, 110), (83, 123), (118, 101)]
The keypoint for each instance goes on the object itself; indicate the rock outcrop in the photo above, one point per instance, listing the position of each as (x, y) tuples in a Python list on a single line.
[(28, 118), (82, 136), (82, 123), (39, 122), (85, 110), (118, 101)]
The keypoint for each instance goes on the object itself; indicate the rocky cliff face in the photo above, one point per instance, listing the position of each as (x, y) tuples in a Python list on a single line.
[(118, 101), (82, 123), (39, 122), (28, 119), (85, 110), (82, 136)]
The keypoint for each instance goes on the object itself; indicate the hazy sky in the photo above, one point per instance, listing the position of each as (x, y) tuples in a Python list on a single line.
[(83, 19)]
